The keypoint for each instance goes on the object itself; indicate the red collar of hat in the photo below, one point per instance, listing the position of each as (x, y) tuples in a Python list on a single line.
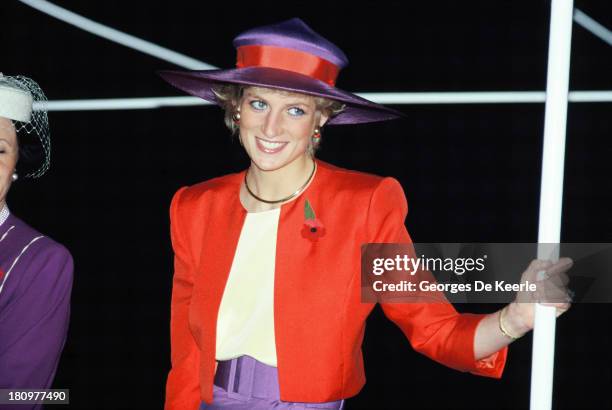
[(287, 59)]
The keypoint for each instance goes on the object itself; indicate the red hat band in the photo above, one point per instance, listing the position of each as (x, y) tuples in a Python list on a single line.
[(287, 59)]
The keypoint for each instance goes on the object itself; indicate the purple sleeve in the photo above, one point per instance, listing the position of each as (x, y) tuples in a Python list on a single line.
[(34, 325)]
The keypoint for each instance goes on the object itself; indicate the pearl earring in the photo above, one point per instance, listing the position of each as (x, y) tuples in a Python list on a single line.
[(236, 116), (15, 176)]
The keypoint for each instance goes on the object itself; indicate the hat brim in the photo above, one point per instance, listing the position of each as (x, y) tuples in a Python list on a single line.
[(200, 83)]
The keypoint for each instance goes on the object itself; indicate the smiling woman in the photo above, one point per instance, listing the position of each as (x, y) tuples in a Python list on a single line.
[(275, 319), (35, 271), (276, 130)]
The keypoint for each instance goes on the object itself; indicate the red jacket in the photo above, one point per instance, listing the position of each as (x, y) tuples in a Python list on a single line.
[(319, 320)]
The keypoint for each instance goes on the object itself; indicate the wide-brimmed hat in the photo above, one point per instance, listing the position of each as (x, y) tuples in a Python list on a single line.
[(288, 56)]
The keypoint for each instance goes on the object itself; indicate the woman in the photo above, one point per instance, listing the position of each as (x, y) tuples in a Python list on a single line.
[(267, 261), (35, 271)]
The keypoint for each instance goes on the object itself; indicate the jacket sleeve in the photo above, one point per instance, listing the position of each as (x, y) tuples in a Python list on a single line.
[(434, 329), (35, 325), (183, 385)]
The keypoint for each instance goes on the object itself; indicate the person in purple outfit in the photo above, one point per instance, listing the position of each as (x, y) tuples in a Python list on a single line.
[(35, 271)]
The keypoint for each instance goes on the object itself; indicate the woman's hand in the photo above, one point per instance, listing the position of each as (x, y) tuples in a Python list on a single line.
[(551, 290), (499, 329)]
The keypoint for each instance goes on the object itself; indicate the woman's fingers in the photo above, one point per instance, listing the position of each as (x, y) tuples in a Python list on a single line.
[(542, 269), (559, 267), (560, 279), (550, 280), (536, 265), (553, 295)]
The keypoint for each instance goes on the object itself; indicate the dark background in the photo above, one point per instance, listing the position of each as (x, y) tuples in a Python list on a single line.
[(470, 173)]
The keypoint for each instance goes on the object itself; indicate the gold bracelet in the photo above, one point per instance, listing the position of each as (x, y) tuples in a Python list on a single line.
[(501, 325)]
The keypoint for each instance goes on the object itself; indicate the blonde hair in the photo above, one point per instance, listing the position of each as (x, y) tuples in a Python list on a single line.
[(229, 96)]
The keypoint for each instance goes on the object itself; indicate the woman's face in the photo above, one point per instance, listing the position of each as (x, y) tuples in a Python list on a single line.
[(8, 156), (276, 127)]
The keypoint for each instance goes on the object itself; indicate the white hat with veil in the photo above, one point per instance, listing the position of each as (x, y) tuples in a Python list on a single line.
[(23, 102)]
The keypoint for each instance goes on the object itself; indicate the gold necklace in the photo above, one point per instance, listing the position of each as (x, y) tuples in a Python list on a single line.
[(293, 195)]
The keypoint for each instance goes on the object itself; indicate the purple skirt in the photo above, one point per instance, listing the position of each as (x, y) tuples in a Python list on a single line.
[(247, 384)]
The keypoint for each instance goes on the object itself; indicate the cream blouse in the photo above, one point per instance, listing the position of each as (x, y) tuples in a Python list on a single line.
[(245, 325)]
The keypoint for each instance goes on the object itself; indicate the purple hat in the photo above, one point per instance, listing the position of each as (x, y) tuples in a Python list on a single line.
[(289, 56)]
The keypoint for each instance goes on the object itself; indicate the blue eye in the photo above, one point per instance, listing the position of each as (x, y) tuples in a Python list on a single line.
[(295, 111), (258, 105)]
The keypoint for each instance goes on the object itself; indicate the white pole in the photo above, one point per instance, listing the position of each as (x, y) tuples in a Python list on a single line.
[(485, 97), (594, 27), (117, 36), (551, 193)]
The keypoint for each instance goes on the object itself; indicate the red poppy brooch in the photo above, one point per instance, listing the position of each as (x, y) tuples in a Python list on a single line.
[(313, 229)]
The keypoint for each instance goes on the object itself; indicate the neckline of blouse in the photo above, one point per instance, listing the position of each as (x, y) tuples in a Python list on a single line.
[(4, 214), (315, 179), (266, 212)]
